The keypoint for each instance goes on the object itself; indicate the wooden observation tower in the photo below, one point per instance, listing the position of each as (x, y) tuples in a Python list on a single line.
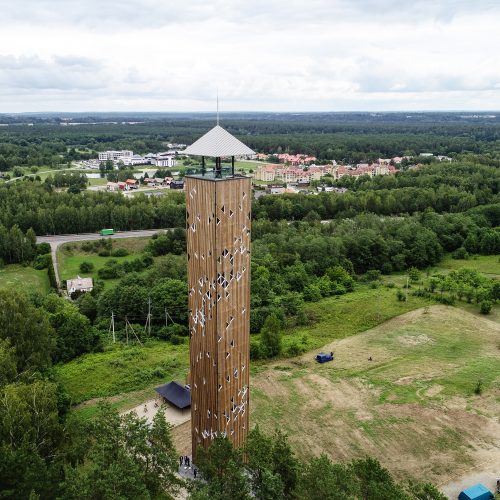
[(218, 206)]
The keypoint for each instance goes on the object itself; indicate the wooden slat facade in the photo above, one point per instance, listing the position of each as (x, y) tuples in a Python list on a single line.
[(218, 246)]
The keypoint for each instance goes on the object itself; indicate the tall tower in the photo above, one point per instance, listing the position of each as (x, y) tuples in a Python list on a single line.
[(218, 206)]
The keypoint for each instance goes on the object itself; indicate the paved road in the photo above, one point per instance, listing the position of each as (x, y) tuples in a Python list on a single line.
[(58, 239)]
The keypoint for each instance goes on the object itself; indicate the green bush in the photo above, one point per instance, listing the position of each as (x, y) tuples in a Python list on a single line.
[(414, 274), (294, 349), (445, 299), (112, 269), (372, 275), (270, 336), (88, 246), (460, 253), (486, 306), (42, 248), (119, 252), (104, 253), (176, 340), (86, 267), (312, 293), (42, 261), (255, 351)]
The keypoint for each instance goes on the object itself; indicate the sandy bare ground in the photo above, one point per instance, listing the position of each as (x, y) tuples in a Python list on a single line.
[(488, 475), (150, 408)]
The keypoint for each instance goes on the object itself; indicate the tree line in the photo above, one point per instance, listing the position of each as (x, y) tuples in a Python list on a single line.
[(442, 188), (343, 137), (30, 204), (267, 468)]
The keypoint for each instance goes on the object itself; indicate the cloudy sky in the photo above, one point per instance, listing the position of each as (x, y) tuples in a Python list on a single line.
[(275, 55)]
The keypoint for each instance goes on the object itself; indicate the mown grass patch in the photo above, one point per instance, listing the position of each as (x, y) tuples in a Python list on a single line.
[(18, 277)]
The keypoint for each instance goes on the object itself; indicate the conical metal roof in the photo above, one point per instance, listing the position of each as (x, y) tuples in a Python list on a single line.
[(217, 143)]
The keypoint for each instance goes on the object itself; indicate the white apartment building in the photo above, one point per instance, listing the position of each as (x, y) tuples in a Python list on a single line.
[(164, 160), (115, 155), (135, 160)]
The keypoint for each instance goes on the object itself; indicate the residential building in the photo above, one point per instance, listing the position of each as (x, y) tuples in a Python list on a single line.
[(79, 285), (132, 183), (164, 160), (265, 173)]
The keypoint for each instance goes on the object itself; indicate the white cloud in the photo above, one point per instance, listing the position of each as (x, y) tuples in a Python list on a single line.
[(261, 55)]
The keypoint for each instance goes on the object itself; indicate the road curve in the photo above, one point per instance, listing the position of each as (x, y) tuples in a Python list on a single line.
[(56, 240)]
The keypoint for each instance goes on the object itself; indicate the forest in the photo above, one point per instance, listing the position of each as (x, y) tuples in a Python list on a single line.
[(345, 137)]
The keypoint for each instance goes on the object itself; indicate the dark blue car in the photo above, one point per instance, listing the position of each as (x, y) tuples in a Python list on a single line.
[(323, 358)]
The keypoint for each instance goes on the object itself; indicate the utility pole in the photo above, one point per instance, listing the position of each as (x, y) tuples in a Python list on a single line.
[(133, 331), (126, 328), (113, 325), (149, 317), (407, 285), (147, 326), (166, 317)]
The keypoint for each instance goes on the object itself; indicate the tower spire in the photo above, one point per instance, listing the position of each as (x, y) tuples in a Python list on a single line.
[(217, 106)]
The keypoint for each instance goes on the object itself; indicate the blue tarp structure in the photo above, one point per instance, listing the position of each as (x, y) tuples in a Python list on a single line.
[(176, 394), (476, 492)]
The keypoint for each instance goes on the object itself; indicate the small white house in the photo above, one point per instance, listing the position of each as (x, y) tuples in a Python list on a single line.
[(79, 285)]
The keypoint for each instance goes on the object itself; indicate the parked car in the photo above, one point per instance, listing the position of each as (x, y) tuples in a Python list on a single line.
[(323, 358)]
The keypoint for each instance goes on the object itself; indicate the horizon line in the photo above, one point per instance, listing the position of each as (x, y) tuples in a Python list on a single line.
[(258, 111)]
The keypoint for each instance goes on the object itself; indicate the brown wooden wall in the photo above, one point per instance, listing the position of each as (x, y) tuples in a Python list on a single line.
[(218, 246)]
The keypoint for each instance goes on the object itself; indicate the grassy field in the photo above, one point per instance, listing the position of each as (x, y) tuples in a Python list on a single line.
[(345, 315), (122, 370), (487, 264), (24, 278), (101, 181), (338, 318), (70, 256), (413, 406)]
